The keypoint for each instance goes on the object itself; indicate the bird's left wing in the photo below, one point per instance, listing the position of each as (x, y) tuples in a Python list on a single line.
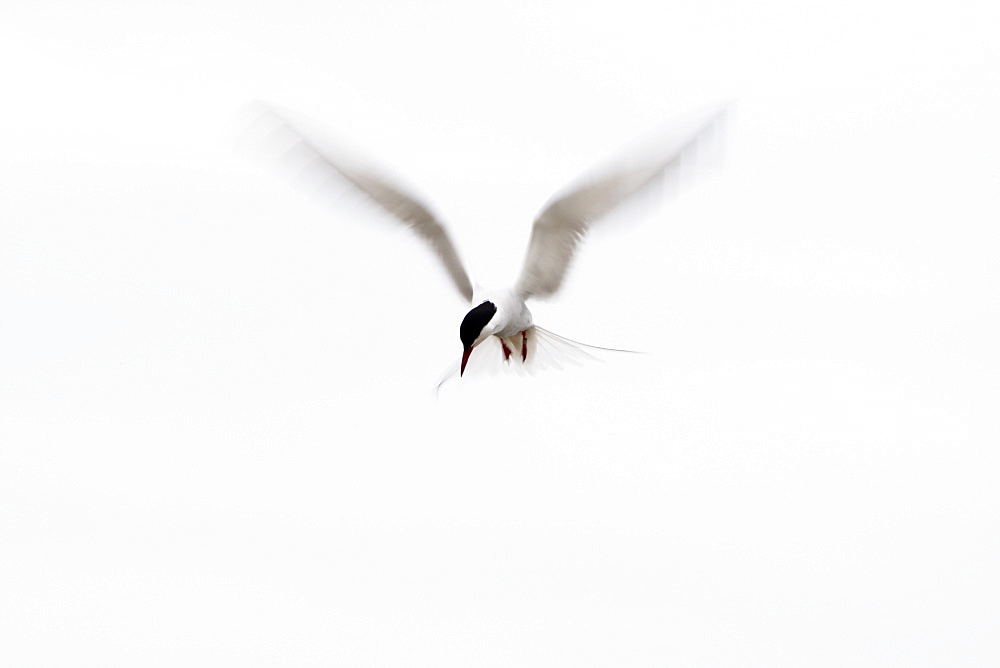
[(389, 197), (566, 218)]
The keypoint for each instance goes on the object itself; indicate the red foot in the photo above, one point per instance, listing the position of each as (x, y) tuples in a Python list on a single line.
[(506, 351), (524, 346)]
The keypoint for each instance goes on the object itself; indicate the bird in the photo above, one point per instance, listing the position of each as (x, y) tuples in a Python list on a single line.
[(501, 315)]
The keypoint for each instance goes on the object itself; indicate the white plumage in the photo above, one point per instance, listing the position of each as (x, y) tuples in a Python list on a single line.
[(500, 317)]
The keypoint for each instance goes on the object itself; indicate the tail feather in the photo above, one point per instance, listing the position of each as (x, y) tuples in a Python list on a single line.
[(545, 350)]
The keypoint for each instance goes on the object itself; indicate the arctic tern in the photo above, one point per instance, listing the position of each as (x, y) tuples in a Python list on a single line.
[(502, 315)]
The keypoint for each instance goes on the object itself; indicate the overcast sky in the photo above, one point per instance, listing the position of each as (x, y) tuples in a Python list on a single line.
[(219, 439)]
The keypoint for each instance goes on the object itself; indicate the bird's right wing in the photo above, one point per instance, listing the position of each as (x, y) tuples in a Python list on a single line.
[(390, 198), (563, 222)]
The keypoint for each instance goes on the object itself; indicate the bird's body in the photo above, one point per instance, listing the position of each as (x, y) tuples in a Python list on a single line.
[(512, 316), (502, 315)]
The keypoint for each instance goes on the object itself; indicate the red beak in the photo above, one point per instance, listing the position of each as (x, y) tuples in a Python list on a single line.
[(465, 360)]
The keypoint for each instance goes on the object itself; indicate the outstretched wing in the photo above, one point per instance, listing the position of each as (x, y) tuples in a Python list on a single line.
[(390, 198), (566, 218)]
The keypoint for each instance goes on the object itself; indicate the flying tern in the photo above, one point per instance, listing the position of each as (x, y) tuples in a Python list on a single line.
[(502, 315)]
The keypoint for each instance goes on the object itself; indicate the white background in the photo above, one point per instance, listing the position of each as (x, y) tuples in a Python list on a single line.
[(219, 441)]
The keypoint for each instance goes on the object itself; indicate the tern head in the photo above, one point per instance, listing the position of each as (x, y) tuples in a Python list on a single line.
[(474, 327)]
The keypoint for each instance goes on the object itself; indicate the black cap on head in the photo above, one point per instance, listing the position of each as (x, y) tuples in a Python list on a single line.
[(474, 322)]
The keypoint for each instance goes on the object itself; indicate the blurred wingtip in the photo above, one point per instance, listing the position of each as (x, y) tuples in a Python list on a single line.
[(290, 144)]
